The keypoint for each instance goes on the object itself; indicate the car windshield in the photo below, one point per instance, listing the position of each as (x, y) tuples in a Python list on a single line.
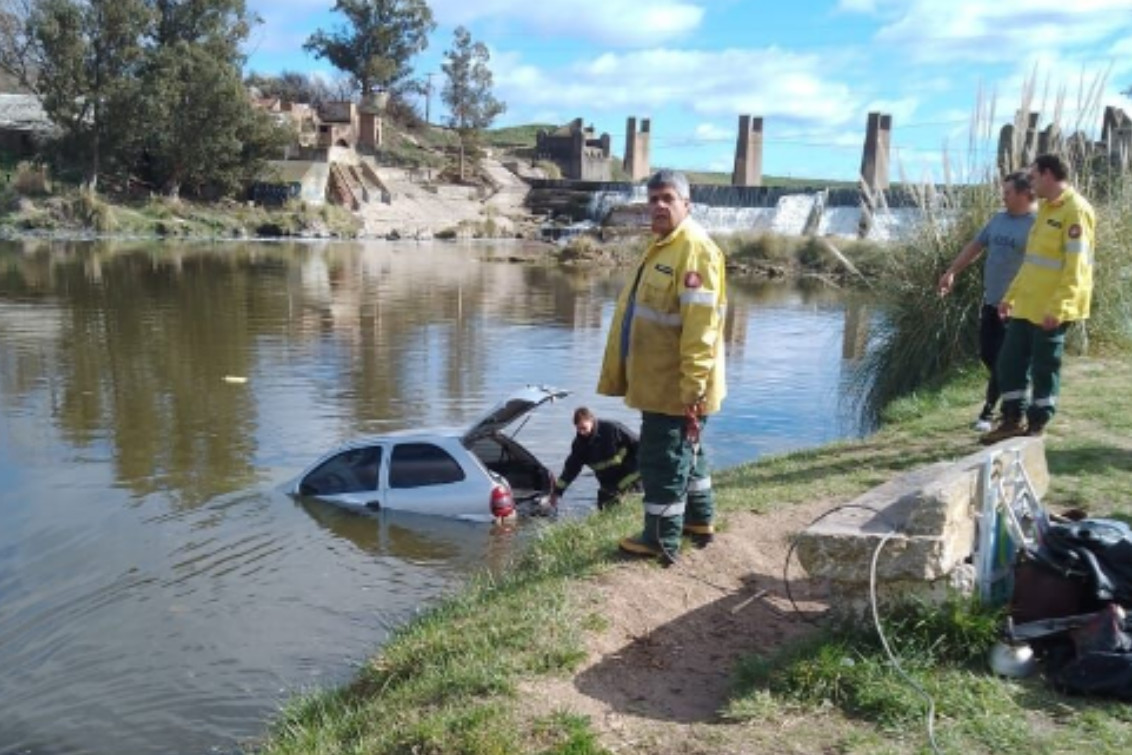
[(352, 471)]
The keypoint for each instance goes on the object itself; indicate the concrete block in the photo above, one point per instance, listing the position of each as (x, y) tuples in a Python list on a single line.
[(932, 511)]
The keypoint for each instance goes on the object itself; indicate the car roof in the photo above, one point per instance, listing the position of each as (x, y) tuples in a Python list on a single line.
[(401, 436)]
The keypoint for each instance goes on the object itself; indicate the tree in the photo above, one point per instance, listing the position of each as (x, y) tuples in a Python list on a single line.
[(201, 130), (80, 57), (467, 92), (381, 37), (292, 86), (202, 133)]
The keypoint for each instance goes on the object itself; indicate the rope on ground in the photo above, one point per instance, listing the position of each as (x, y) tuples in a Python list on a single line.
[(930, 716), (873, 606)]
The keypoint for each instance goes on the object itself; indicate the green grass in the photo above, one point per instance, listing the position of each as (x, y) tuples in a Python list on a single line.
[(804, 255), (74, 209), (717, 178), (515, 137), (450, 681)]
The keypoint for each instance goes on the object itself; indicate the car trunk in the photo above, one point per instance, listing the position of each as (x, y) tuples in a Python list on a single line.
[(530, 481)]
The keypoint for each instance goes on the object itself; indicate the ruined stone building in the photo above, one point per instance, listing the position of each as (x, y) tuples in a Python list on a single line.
[(578, 152), (1021, 141)]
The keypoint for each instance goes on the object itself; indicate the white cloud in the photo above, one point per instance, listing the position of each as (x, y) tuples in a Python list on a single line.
[(857, 6), (769, 82), (622, 23), (902, 110), (1002, 31), (709, 132)]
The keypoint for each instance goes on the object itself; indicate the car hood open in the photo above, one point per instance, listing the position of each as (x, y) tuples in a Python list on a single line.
[(518, 404)]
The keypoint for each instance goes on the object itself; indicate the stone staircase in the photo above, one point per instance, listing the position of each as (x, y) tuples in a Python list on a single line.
[(344, 188)]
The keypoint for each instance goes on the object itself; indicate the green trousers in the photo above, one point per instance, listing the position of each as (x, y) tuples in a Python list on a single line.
[(1030, 353), (676, 479)]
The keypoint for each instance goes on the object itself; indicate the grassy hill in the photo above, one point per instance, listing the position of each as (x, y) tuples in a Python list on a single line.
[(521, 140)]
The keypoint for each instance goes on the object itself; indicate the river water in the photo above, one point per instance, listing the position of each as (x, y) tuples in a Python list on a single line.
[(158, 594)]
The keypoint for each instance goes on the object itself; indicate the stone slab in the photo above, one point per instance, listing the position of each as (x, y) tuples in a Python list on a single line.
[(932, 510)]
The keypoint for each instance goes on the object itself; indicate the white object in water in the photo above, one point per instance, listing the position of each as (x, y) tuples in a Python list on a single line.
[(238, 379)]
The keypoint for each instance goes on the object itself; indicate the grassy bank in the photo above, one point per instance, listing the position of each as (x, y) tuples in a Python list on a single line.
[(762, 255), (450, 682), (75, 211)]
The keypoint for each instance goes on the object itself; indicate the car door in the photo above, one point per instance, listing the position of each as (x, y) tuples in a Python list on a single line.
[(350, 478), (437, 476)]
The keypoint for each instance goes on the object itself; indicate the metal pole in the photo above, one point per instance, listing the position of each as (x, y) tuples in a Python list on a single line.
[(428, 98)]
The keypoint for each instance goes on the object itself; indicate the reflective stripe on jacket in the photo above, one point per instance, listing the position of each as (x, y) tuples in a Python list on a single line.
[(1056, 277), (665, 345), (610, 451)]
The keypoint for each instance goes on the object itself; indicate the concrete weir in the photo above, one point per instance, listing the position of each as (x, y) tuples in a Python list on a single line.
[(934, 511)]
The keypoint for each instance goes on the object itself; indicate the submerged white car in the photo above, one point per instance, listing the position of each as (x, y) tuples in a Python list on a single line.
[(480, 474)]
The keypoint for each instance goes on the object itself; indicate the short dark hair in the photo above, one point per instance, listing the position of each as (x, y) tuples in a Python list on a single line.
[(672, 178), (1052, 164), (1020, 181), (582, 413)]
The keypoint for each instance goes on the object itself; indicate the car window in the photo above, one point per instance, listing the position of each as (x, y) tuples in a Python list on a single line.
[(417, 464), (488, 450), (353, 471)]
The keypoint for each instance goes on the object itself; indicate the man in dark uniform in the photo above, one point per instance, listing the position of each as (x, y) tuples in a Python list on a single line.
[(609, 449)]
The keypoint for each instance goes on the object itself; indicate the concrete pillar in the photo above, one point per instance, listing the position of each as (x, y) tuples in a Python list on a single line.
[(1006, 150), (1030, 139), (1121, 150), (878, 142), (636, 162), (369, 130), (1049, 140), (748, 153), (1116, 136)]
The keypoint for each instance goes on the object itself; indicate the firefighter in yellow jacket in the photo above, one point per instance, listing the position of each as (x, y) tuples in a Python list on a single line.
[(664, 354), (1053, 288)]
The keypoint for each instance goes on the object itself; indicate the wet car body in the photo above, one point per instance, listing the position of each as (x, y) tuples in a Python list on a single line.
[(449, 473)]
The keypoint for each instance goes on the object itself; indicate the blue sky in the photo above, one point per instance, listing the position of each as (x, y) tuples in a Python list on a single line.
[(812, 69)]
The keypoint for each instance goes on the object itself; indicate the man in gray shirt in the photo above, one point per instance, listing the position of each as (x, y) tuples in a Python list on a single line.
[(1004, 238)]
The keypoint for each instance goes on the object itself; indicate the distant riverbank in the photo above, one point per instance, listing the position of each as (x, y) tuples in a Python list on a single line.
[(76, 213)]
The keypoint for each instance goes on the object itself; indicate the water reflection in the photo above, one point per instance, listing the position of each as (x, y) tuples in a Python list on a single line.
[(418, 539), (157, 592)]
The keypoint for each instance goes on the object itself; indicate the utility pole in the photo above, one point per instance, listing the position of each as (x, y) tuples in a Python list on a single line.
[(428, 97)]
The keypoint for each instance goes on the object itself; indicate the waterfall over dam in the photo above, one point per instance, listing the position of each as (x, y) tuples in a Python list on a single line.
[(792, 211)]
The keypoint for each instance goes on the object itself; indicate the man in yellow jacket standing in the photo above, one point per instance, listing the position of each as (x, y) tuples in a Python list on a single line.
[(1053, 288), (664, 354)]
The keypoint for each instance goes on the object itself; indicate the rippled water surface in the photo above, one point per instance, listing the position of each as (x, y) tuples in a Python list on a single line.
[(158, 594)]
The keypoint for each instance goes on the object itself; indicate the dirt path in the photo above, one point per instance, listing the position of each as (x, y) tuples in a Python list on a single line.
[(657, 672)]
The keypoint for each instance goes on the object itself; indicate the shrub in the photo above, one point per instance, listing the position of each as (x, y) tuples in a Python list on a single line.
[(93, 212), (920, 337), (550, 169), (758, 246), (31, 180), (1110, 324)]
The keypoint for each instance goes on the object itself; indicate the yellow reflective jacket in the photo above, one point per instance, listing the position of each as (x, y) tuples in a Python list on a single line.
[(1056, 277), (665, 345)]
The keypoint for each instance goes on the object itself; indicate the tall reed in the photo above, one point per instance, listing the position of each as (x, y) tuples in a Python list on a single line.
[(922, 339)]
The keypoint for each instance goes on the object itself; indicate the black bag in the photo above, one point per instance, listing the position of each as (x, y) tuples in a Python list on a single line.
[(1097, 550), (1098, 660)]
